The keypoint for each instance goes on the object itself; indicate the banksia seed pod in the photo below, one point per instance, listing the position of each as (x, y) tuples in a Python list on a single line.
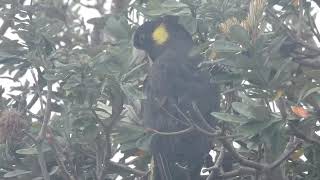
[(11, 126)]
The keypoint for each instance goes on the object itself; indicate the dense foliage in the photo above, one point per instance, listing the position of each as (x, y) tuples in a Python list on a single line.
[(77, 116)]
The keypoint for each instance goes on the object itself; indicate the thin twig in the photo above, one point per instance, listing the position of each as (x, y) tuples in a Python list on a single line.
[(11, 78), (195, 125), (60, 157), (38, 92), (197, 110), (41, 158), (100, 157), (172, 116), (38, 88), (128, 169), (239, 172), (300, 20), (308, 62), (216, 134), (47, 113), (32, 102), (42, 161), (301, 135), (183, 115), (30, 136), (185, 131), (42, 134)]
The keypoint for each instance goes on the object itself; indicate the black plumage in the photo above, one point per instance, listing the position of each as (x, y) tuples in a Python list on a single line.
[(173, 85)]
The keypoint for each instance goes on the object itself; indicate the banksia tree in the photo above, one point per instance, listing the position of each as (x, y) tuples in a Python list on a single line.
[(71, 106)]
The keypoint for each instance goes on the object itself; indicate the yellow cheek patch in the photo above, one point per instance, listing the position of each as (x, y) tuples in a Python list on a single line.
[(160, 35)]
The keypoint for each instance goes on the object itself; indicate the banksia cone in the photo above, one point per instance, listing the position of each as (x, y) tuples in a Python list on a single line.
[(11, 126)]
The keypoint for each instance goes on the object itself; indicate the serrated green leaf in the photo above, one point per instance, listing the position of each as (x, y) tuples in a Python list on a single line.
[(132, 92), (173, 4), (276, 44), (253, 128), (226, 46), (313, 73), (15, 173), (53, 170), (72, 82), (199, 49), (240, 35), (229, 117), (103, 110), (276, 136), (27, 151), (133, 72), (127, 133), (20, 73), (144, 142), (280, 75), (128, 146), (239, 62), (118, 28), (90, 132), (260, 113), (37, 178), (67, 67), (309, 92), (52, 77)]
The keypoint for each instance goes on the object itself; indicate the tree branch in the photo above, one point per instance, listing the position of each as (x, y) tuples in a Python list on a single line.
[(42, 162), (215, 169), (290, 148), (128, 169), (205, 122), (47, 113), (312, 63), (124, 167), (239, 172), (38, 91), (41, 158), (42, 134), (301, 135), (59, 157), (239, 158), (100, 156)]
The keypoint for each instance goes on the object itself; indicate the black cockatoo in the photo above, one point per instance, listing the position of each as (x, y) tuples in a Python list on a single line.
[(173, 88)]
